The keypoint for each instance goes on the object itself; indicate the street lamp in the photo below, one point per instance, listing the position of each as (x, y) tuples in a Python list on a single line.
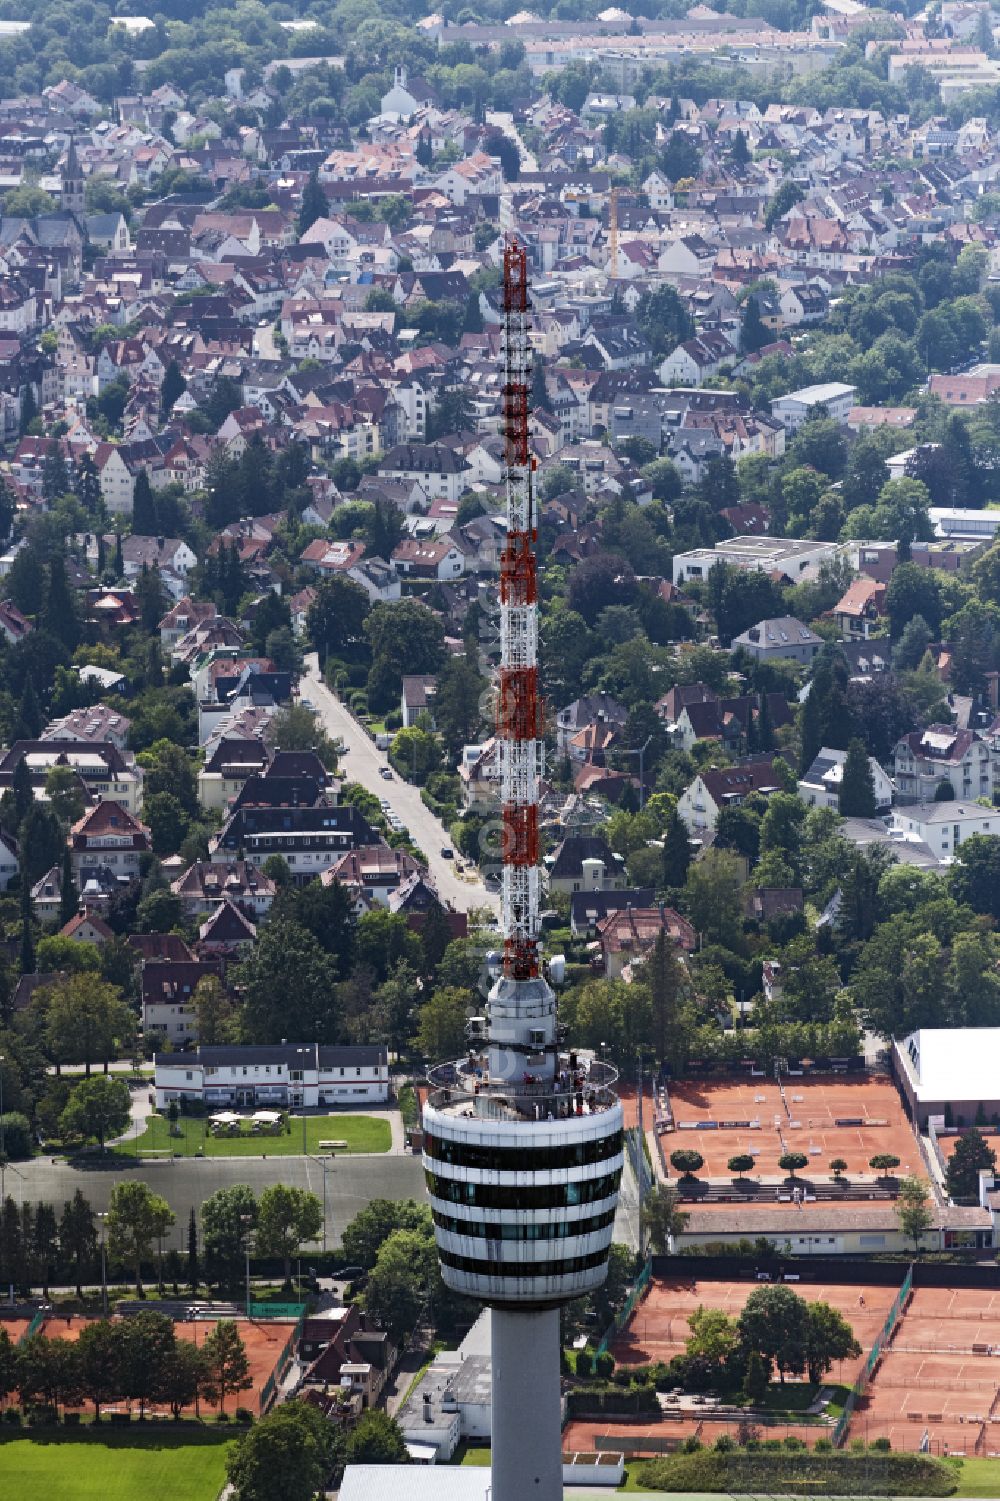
[(326, 1163), (102, 1216)]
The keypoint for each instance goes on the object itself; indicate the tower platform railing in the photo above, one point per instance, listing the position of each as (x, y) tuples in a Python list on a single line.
[(581, 1086)]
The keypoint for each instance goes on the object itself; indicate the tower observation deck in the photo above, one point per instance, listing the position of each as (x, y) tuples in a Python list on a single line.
[(523, 1138)]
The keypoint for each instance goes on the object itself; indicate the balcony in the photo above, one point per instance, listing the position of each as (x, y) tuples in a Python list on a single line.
[(582, 1086)]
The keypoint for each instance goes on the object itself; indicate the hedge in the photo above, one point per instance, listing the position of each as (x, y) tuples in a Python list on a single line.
[(806, 1473), (596, 1399)]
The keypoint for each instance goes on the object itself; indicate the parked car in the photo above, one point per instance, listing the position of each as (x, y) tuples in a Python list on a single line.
[(446, 853)]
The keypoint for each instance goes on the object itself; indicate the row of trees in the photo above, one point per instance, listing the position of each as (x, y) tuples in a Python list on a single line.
[(36, 1243), (138, 1359)]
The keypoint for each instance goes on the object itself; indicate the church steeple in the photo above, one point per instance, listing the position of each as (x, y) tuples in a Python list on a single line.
[(72, 197)]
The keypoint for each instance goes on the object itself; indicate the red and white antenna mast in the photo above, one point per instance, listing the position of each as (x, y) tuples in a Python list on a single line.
[(519, 704)]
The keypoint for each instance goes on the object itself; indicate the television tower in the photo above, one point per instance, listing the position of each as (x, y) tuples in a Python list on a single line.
[(522, 1138)]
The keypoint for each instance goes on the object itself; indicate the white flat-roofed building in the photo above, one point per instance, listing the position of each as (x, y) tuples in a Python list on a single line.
[(959, 521), (944, 826), (302, 1075), (798, 558), (795, 407), (957, 1068)]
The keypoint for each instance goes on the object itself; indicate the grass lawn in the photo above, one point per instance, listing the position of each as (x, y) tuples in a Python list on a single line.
[(466, 1454), (977, 1477), (363, 1133), (116, 1467)]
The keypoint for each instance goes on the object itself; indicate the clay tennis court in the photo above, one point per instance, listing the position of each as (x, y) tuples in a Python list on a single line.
[(940, 1377), (836, 1116), (264, 1341), (582, 1435), (16, 1328), (659, 1328)]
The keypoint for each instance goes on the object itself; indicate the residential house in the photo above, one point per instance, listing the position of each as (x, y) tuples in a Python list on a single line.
[(628, 936), (584, 862), (820, 786), (700, 804), (785, 637), (924, 759), (111, 837), (944, 826)]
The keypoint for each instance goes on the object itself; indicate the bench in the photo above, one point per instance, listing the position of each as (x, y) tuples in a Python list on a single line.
[(331, 1146)]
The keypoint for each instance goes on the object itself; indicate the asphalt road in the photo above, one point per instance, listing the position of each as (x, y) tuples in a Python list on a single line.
[(363, 763), (352, 1182)]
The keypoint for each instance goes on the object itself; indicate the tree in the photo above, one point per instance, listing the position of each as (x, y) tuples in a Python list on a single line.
[(975, 876), (377, 1439), (405, 1269), (214, 1012), (146, 1340), (686, 1161), (99, 1348), (756, 1379), (971, 1156), (336, 618), (838, 1166), (193, 1265), (754, 333), (676, 850), (712, 891), (712, 1337), (78, 1237), (371, 1227), (458, 704), (315, 204), (182, 1375), (136, 1218), (416, 753), (913, 1209), (673, 1016), (174, 385), (285, 1218), (829, 1337), (883, 1162), (289, 987), (741, 1164), (661, 1218), (98, 1107), (680, 157), (441, 1032), (787, 196), (143, 506), (912, 591), (791, 1162), (69, 896), (227, 1368), (59, 613), (48, 1371), (287, 1456), (857, 786), (86, 1021), (228, 1218), (773, 1325), (168, 768)]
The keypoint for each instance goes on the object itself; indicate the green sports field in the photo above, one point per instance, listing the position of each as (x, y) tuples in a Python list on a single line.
[(118, 1467), (363, 1133)]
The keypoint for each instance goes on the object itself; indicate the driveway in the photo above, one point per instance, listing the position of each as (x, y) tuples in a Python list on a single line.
[(363, 763)]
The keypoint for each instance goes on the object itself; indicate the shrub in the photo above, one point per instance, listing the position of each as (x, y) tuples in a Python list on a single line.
[(692, 1445), (222, 1417), (604, 1365), (823, 1446), (773, 1445), (792, 1443), (12, 1417), (17, 1135), (244, 1415), (724, 1444), (584, 1364), (882, 1445)]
